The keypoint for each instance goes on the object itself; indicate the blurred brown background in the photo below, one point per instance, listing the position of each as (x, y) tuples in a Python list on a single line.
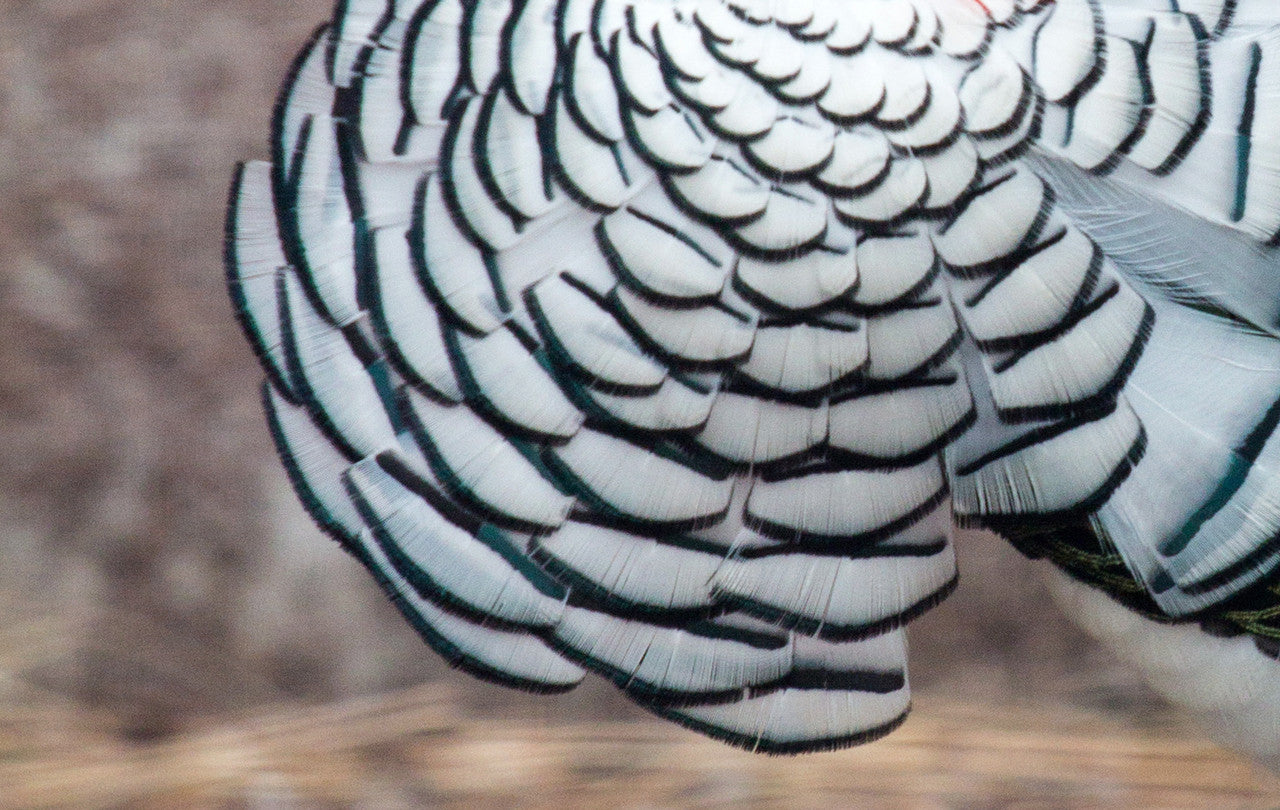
[(162, 593)]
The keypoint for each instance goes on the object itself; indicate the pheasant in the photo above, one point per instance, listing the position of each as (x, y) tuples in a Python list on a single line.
[(670, 340)]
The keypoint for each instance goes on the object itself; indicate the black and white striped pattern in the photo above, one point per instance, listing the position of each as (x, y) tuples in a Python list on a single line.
[(668, 339)]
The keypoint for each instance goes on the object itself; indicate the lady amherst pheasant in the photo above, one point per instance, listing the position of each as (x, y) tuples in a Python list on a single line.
[(670, 339)]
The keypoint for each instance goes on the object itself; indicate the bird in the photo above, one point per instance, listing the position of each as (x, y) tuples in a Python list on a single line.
[(671, 341)]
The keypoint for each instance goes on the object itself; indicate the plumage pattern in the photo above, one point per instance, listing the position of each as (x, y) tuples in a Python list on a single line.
[(669, 339)]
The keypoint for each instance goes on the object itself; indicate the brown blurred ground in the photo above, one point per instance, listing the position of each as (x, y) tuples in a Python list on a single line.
[(156, 576), (416, 748)]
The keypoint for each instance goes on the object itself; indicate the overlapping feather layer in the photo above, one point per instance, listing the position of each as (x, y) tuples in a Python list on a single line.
[(668, 339)]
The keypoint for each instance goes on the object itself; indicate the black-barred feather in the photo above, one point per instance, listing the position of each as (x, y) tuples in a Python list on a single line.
[(670, 339)]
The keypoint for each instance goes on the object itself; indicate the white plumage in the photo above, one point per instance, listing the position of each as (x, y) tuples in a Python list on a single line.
[(669, 339)]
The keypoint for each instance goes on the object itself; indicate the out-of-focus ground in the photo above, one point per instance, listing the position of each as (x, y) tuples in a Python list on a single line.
[(173, 632)]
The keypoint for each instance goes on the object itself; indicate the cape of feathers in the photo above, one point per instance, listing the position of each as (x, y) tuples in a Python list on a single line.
[(669, 339)]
